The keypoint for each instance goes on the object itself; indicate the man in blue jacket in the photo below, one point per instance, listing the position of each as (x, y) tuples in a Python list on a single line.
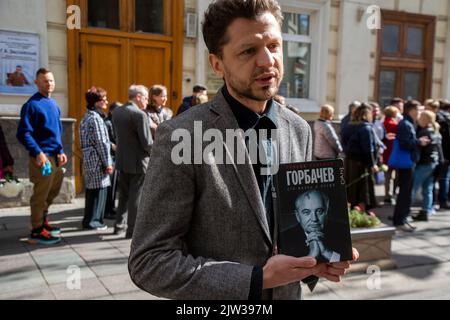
[(40, 132), (406, 136)]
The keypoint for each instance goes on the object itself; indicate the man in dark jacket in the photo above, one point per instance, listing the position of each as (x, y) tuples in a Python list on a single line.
[(345, 121), (187, 103), (443, 118), (406, 136)]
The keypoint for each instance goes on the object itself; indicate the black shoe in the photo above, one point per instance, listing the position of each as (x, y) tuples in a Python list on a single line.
[(110, 216), (119, 231), (42, 236), (422, 216), (444, 205)]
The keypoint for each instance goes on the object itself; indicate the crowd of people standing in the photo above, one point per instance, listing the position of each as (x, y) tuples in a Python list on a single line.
[(408, 144)]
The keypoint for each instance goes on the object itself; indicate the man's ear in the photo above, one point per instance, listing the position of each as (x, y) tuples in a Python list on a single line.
[(216, 64)]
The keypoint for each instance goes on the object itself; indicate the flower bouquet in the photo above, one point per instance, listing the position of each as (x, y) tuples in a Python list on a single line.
[(360, 219)]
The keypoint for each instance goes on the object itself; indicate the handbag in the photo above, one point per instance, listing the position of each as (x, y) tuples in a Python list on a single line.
[(400, 158)]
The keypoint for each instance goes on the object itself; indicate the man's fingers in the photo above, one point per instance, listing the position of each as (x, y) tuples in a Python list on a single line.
[(330, 277), (336, 271), (355, 254), (303, 262), (341, 265)]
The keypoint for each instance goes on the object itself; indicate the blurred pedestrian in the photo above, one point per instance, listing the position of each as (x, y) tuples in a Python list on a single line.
[(97, 160), (134, 141), (326, 141), (443, 119), (188, 102), (429, 157), (408, 141), (399, 104), (110, 208), (156, 108), (352, 106), (39, 131), (360, 150), (390, 126)]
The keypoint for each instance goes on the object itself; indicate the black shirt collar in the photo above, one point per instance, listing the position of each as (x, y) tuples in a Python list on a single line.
[(247, 119)]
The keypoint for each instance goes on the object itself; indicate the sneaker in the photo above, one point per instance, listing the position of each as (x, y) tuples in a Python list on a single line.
[(42, 236), (54, 231), (410, 225), (101, 227), (404, 228)]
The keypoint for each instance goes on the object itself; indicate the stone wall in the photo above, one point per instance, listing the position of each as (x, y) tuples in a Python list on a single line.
[(21, 158)]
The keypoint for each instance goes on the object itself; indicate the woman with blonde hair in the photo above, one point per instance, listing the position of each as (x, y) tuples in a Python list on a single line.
[(326, 141), (430, 155)]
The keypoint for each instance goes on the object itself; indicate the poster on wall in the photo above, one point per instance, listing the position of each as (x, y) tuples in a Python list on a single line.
[(19, 61)]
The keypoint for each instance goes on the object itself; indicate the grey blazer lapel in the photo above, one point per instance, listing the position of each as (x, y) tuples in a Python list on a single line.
[(283, 138), (244, 172)]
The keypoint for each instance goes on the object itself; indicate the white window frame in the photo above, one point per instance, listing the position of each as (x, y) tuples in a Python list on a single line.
[(319, 11)]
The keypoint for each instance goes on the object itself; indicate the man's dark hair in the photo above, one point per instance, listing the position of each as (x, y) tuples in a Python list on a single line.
[(199, 88), (444, 104), (411, 105), (221, 14), (397, 100), (42, 71)]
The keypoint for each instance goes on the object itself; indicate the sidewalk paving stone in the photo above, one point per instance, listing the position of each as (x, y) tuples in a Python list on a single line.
[(55, 266), (90, 289), (34, 293), (117, 284)]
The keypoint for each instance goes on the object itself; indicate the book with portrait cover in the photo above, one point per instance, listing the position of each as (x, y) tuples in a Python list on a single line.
[(311, 212)]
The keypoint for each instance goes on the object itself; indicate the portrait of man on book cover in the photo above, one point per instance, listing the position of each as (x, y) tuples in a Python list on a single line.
[(316, 227)]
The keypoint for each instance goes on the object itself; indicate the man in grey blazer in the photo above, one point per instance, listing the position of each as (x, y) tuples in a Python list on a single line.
[(206, 230), (134, 141)]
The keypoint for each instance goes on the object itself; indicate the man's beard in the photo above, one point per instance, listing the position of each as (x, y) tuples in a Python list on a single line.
[(264, 94)]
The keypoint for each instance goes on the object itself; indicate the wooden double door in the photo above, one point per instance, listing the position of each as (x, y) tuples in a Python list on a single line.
[(123, 42), (405, 56), (115, 62)]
